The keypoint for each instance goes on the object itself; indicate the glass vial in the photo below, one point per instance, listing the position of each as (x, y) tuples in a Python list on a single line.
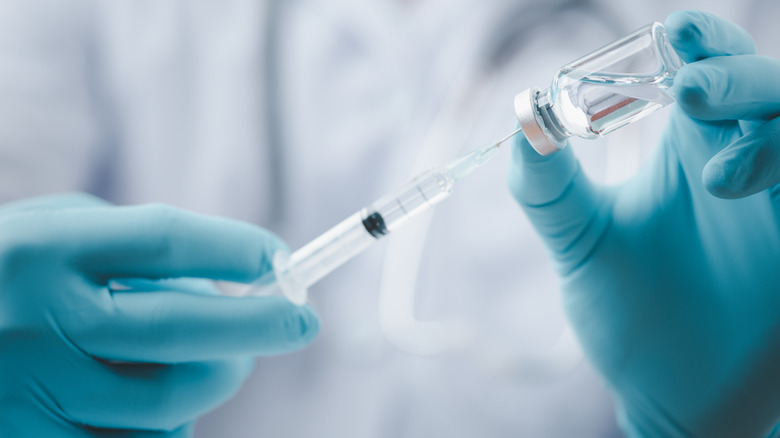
[(594, 95)]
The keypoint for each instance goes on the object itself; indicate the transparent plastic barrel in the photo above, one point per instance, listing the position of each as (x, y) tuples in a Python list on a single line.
[(418, 195), (294, 273)]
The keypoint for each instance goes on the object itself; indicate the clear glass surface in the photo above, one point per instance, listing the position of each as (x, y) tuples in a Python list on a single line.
[(613, 86)]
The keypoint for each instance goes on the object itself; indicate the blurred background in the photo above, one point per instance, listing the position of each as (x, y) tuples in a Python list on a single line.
[(293, 114)]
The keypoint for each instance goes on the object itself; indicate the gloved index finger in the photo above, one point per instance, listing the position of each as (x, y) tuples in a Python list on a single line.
[(697, 35), (157, 241)]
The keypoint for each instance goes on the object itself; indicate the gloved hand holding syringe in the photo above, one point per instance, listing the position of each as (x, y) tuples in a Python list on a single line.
[(294, 273)]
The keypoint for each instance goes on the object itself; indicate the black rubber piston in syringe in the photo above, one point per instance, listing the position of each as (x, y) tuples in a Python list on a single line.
[(375, 225)]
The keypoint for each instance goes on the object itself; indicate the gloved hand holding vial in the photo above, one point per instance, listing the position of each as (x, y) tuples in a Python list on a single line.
[(672, 291)]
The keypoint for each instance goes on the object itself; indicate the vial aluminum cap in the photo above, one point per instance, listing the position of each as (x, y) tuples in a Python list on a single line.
[(530, 121)]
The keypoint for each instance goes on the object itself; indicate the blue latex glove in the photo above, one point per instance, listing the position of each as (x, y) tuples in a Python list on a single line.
[(77, 359), (672, 291)]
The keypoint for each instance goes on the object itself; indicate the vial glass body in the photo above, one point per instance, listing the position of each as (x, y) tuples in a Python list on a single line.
[(609, 88)]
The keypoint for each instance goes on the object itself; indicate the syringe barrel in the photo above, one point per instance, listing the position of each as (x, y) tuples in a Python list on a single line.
[(336, 246), (421, 193), (329, 251)]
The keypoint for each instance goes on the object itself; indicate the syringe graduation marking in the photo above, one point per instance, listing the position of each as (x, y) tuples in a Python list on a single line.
[(423, 195), (401, 206)]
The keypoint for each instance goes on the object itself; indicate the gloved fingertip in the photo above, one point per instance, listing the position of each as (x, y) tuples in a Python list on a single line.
[(279, 325), (692, 88), (726, 178), (715, 182), (684, 33), (696, 35), (301, 325), (271, 242), (268, 245), (747, 166)]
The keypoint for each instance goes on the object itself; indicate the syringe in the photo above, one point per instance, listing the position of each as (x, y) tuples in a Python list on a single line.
[(294, 273)]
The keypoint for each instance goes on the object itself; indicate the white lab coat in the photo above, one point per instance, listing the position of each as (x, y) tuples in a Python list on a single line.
[(294, 114)]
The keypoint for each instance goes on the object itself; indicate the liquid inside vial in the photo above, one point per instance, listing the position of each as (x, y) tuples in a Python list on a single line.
[(615, 85), (602, 91), (593, 105)]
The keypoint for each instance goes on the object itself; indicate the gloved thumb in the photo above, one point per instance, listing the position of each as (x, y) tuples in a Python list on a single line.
[(749, 165), (559, 199)]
